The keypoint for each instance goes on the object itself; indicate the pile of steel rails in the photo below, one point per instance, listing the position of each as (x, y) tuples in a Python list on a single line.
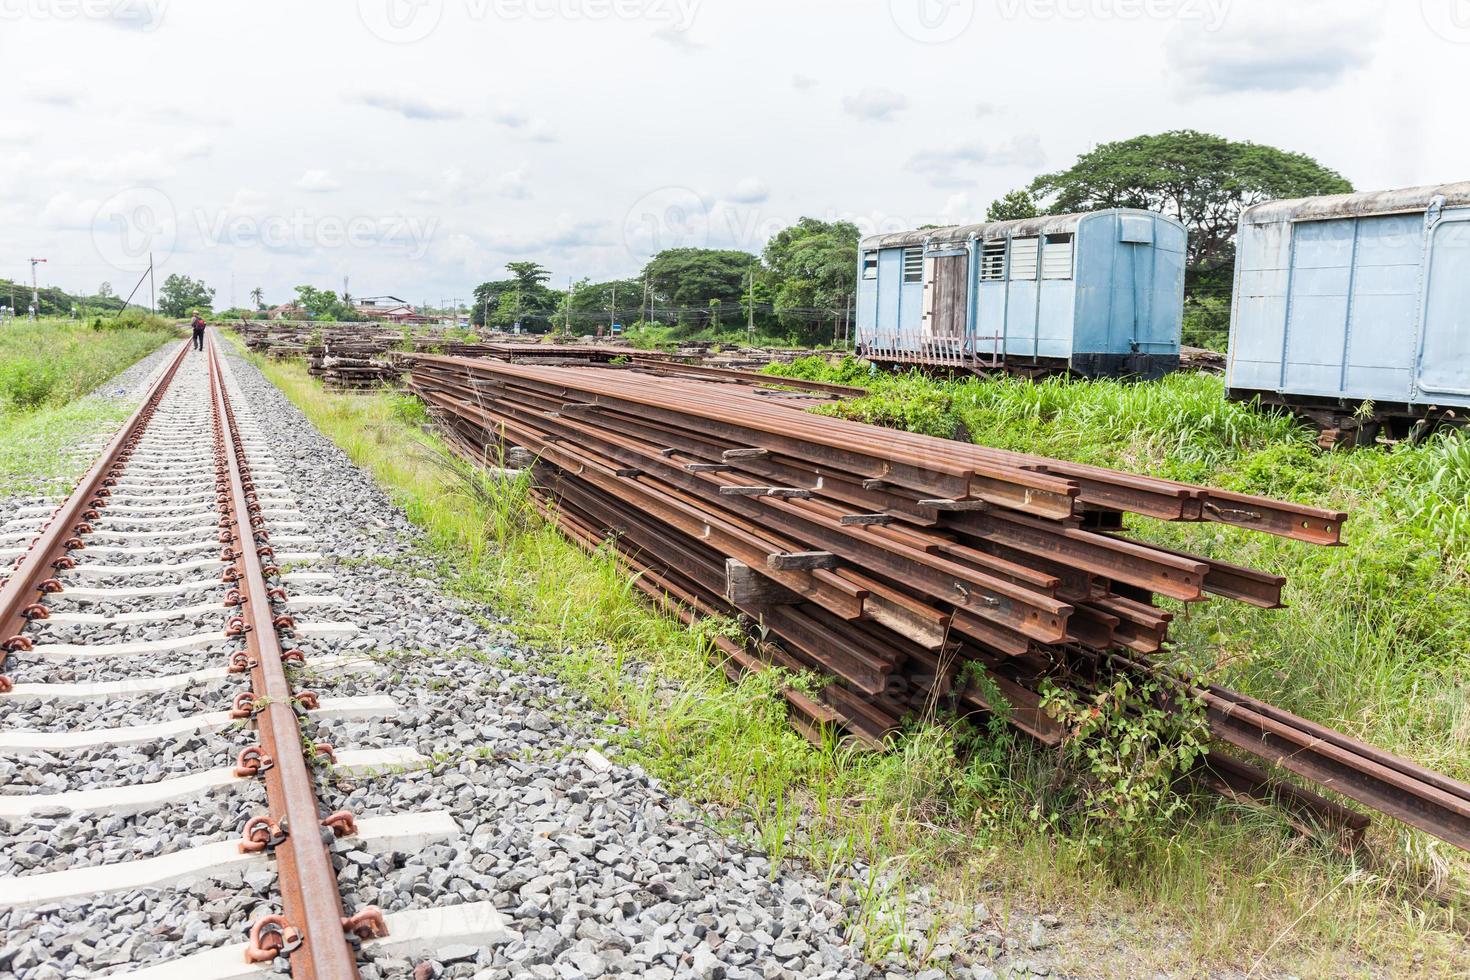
[(910, 571)]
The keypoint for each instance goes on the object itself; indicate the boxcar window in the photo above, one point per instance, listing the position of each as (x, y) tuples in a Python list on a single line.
[(913, 265), (1024, 252), (993, 259), (870, 265), (1056, 257)]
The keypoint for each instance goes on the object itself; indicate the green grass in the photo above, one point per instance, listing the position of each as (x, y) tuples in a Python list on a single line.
[(48, 363), (953, 810), (44, 367)]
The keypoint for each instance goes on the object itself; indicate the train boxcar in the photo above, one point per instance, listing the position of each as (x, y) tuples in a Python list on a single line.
[(1095, 294), (1354, 309)]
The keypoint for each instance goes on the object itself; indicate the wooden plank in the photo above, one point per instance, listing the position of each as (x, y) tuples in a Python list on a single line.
[(801, 561), (744, 586)]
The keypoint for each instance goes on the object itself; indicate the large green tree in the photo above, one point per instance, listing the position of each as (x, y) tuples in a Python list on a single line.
[(688, 279), (812, 267), (524, 297), (595, 304), (1201, 179), (181, 296), (323, 304)]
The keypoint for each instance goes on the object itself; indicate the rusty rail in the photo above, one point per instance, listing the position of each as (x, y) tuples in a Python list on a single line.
[(898, 565), (49, 552), (312, 928)]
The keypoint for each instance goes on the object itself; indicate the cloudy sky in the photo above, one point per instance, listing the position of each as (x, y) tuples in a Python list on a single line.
[(418, 145)]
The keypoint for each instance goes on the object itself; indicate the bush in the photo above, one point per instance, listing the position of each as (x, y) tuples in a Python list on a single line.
[(27, 384)]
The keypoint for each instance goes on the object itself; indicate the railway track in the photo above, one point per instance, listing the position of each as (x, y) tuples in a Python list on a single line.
[(155, 630)]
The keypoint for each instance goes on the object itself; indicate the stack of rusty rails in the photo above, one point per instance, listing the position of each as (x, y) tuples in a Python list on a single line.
[(553, 354), (764, 382), (899, 566)]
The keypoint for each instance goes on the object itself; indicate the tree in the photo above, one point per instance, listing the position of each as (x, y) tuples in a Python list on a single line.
[(104, 291), (181, 296), (813, 267), (1201, 179), (524, 298), (257, 296), (689, 278), (1014, 206), (592, 303), (323, 304)]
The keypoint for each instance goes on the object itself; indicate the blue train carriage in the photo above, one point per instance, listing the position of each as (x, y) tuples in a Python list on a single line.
[(1099, 294), (1354, 310)]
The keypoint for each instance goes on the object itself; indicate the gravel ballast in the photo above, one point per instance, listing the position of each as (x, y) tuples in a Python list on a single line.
[(596, 869)]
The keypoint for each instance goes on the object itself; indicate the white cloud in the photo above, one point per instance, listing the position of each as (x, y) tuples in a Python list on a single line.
[(512, 185), (751, 190), (958, 209), (802, 82), (57, 98), (527, 126), (409, 107), (70, 211), (875, 104), (318, 182), (129, 167), (948, 167), (16, 133), (1281, 48), (510, 118)]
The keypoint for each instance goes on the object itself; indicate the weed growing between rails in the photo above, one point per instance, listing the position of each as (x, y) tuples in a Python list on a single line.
[(953, 809)]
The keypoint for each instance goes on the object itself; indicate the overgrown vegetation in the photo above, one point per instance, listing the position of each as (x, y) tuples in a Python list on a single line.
[(47, 363), (1374, 644), (44, 367)]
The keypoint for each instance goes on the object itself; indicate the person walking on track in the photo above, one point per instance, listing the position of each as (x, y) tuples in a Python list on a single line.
[(198, 326)]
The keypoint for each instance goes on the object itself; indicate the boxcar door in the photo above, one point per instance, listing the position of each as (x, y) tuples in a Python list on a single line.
[(1444, 355), (1317, 305), (946, 313)]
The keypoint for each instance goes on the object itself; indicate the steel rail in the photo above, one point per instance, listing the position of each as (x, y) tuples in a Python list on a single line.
[(313, 930), (645, 466), (48, 554)]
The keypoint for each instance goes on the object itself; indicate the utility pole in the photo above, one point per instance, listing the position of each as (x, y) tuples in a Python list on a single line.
[(751, 327), (571, 291), (35, 290), (645, 299), (612, 316)]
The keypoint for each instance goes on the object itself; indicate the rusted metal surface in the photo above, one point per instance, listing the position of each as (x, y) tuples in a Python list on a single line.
[(48, 554), (311, 930), (899, 566)]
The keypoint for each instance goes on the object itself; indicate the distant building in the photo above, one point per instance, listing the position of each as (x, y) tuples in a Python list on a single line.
[(368, 304), (287, 311), (390, 309)]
